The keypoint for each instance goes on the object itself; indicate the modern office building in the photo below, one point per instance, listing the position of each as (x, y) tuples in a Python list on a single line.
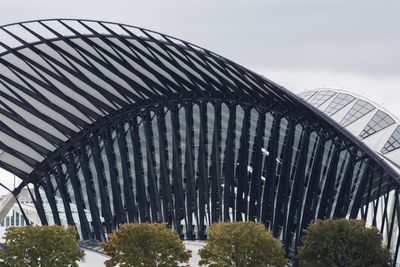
[(111, 123)]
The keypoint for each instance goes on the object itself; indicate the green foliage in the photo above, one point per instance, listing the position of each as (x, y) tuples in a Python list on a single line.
[(344, 243), (40, 246), (147, 244), (241, 244)]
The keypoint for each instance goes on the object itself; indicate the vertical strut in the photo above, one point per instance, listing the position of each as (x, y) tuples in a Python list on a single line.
[(177, 171), (50, 194), (91, 193), (256, 165), (71, 168), (242, 174), (281, 205), (191, 196), (119, 212), (38, 202), (295, 204), (215, 170), (60, 179), (165, 189), (329, 183), (269, 188), (228, 170), (153, 188), (104, 198)]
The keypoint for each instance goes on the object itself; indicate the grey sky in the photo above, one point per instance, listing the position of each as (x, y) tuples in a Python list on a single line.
[(300, 44), (355, 36)]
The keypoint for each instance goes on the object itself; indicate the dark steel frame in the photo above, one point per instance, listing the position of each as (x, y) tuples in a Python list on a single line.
[(314, 168)]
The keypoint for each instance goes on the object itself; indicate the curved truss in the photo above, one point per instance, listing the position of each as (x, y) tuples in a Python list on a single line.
[(113, 123)]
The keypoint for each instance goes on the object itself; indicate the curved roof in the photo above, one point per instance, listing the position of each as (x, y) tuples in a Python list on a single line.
[(369, 121), (60, 77)]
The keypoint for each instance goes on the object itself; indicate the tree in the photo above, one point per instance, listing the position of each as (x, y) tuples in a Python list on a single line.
[(41, 246), (342, 243), (145, 244), (240, 244)]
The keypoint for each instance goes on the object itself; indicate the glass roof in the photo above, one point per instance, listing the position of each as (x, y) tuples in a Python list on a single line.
[(360, 109), (307, 94), (380, 121), (322, 97), (339, 102), (393, 142)]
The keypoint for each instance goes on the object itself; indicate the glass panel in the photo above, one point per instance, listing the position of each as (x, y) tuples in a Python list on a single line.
[(339, 102), (393, 142), (321, 97), (360, 109), (380, 121), (253, 126), (238, 133), (224, 132), (307, 94)]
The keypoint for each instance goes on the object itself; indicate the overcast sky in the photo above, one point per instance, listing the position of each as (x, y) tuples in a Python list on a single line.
[(352, 45)]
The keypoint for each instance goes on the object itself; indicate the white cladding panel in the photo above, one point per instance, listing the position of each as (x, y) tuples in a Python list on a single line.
[(378, 139)]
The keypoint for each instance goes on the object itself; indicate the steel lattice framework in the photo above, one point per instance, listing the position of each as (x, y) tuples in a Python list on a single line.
[(113, 124)]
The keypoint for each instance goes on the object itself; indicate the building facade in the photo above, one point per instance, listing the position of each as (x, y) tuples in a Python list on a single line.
[(112, 123)]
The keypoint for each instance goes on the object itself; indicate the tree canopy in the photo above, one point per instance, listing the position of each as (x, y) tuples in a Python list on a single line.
[(41, 246), (146, 244), (344, 243), (241, 244)]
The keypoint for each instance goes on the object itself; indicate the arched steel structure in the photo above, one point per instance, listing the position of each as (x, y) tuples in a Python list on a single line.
[(113, 123)]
